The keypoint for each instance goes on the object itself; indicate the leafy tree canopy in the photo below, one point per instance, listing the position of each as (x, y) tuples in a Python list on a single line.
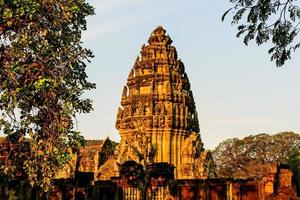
[(42, 78), (252, 155), (268, 20), (294, 162)]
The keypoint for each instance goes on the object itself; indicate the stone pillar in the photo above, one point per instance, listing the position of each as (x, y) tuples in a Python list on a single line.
[(229, 191), (285, 178), (166, 146), (154, 142)]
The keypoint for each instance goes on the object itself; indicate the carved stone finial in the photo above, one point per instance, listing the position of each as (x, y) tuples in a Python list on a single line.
[(159, 36), (159, 31), (137, 59), (131, 74), (120, 113), (124, 94)]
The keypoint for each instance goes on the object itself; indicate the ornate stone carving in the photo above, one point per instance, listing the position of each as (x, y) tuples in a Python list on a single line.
[(124, 94), (131, 74), (159, 111), (120, 113)]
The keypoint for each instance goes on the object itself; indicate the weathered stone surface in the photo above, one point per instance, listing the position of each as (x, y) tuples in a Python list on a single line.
[(162, 185), (69, 170), (108, 169), (157, 119), (89, 159), (86, 160)]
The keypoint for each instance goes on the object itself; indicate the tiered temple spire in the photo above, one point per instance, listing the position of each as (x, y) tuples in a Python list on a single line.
[(157, 119)]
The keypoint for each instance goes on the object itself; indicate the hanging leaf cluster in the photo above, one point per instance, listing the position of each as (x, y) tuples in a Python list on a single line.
[(42, 78), (275, 21)]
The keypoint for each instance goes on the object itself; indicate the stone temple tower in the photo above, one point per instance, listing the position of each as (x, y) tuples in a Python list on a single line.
[(157, 119)]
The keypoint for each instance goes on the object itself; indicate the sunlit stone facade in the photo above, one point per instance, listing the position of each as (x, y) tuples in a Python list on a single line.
[(157, 119)]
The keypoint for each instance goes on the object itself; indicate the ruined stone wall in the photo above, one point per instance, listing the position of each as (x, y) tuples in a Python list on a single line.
[(161, 184)]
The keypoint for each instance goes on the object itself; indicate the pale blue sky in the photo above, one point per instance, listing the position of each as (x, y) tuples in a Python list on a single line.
[(237, 90)]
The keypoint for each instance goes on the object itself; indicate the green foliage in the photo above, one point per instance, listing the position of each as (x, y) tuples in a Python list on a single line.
[(268, 20), (42, 78), (293, 162), (252, 155)]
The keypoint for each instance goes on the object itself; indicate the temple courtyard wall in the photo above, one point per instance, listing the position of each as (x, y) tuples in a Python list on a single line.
[(158, 183)]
